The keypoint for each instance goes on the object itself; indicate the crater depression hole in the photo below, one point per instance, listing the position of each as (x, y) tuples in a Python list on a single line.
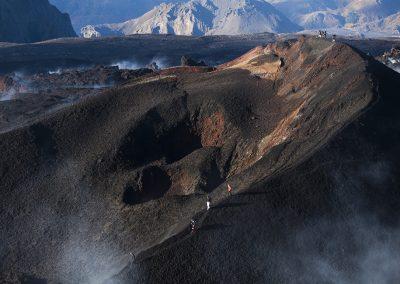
[(151, 140), (153, 184)]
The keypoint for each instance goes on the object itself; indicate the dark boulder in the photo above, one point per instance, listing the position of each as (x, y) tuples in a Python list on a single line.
[(187, 61)]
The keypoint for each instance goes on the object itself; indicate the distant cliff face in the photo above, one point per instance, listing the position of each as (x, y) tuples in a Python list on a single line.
[(32, 21)]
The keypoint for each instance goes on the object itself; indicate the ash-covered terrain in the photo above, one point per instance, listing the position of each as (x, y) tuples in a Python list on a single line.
[(138, 51), (103, 169), (130, 52)]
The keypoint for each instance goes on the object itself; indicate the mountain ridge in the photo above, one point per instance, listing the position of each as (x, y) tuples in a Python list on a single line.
[(356, 16), (203, 17), (362, 16)]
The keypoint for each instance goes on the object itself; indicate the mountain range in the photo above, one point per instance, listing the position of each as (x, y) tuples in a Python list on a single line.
[(32, 21), (200, 17), (364, 16), (205, 17)]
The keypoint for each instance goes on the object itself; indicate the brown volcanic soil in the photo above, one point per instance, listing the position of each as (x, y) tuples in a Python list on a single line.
[(124, 171)]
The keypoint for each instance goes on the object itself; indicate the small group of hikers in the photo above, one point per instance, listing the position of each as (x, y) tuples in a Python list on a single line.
[(208, 207), (324, 34)]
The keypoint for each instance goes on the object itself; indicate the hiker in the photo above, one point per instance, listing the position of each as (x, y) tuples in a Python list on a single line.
[(192, 225), (333, 38), (133, 257), (208, 203), (229, 189)]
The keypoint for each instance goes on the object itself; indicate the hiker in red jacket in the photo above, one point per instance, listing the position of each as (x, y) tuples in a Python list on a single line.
[(229, 189)]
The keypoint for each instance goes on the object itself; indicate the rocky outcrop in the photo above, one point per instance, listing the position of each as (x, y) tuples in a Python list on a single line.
[(32, 21), (188, 61), (392, 58)]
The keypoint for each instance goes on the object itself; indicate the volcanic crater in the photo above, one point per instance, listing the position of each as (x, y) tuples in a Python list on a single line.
[(123, 170)]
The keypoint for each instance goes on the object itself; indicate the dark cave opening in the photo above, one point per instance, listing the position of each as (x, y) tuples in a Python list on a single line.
[(181, 142), (152, 140), (213, 178)]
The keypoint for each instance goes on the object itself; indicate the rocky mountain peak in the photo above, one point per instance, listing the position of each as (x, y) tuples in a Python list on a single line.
[(205, 17)]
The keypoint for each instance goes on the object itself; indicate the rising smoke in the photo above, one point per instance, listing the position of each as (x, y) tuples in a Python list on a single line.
[(357, 246), (133, 64), (69, 230), (88, 254), (125, 64), (8, 95), (299, 234), (356, 250), (20, 84)]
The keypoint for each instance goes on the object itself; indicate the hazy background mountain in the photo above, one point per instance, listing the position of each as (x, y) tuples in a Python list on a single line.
[(206, 17), (364, 16), (32, 21), (359, 15)]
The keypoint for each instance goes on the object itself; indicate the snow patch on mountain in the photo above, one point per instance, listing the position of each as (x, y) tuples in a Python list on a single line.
[(90, 32)]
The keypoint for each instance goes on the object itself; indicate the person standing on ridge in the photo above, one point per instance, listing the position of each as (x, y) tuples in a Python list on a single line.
[(208, 203), (133, 258), (229, 189), (192, 225)]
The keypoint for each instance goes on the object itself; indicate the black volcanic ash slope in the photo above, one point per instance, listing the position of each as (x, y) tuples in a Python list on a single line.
[(331, 219), (32, 21), (124, 171)]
